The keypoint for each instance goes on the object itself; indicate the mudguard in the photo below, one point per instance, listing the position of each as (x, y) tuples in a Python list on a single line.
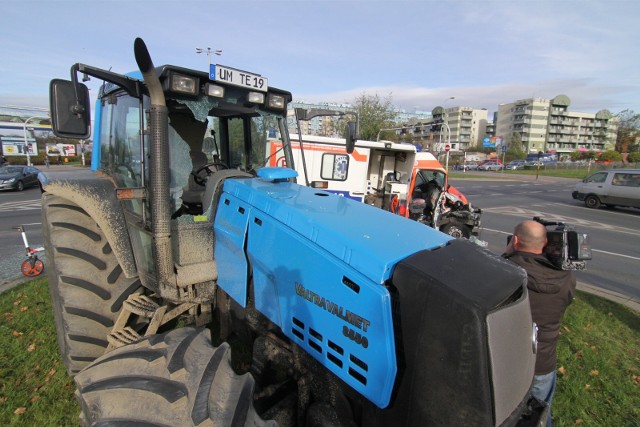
[(319, 264), (95, 193)]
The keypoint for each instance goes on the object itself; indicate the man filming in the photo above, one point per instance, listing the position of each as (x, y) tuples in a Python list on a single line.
[(551, 290)]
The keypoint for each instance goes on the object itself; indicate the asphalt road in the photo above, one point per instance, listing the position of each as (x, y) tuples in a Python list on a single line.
[(505, 202), (614, 233)]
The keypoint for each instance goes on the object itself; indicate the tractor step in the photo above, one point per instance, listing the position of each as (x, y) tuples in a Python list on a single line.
[(122, 337), (141, 305)]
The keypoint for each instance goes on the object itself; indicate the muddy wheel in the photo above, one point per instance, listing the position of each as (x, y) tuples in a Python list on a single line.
[(86, 282), (172, 379), (456, 230), (592, 202)]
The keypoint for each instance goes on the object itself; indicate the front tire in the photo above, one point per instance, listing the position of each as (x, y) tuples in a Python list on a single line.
[(172, 379), (86, 282), (20, 186), (592, 202), (457, 231)]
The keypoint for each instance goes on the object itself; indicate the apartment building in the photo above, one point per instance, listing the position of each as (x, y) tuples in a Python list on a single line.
[(322, 125), (461, 127), (326, 125), (546, 125)]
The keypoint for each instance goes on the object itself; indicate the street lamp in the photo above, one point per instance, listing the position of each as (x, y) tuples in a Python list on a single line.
[(209, 52), (26, 141)]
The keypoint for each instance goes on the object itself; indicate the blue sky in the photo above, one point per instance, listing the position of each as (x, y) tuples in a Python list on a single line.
[(417, 53)]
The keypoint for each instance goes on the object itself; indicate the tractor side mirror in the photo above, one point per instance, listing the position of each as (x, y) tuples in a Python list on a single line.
[(351, 137), (70, 110)]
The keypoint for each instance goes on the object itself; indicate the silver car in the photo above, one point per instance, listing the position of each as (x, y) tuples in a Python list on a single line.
[(515, 164), (490, 166)]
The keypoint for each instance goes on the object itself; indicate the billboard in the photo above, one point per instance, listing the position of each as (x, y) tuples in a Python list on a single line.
[(491, 141), (15, 146)]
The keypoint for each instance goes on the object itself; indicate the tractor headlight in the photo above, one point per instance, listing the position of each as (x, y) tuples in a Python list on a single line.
[(277, 102), (214, 90), (255, 97), (180, 83)]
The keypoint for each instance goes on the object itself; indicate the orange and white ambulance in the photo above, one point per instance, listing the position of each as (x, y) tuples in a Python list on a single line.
[(389, 175)]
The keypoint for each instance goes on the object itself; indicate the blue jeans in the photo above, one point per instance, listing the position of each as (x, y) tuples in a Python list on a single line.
[(543, 388)]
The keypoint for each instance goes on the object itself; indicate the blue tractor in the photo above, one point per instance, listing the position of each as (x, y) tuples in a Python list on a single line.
[(179, 247)]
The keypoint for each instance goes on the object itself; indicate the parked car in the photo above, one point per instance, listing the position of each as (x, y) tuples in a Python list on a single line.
[(515, 164), (491, 165), (615, 187), (468, 166), (16, 177)]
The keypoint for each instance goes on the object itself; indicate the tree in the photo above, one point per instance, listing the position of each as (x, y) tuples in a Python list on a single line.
[(634, 157), (610, 155), (374, 114), (628, 135)]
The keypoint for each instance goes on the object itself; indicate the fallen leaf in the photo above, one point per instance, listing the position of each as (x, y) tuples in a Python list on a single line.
[(593, 347), (636, 379), (609, 314), (16, 302), (562, 370), (594, 372), (566, 328), (52, 371), (3, 399), (34, 399), (24, 308), (21, 410), (579, 421), (587, 386), (31, 348), (16, 333), (588, 326)]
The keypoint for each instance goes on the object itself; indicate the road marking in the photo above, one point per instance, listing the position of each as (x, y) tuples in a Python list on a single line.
[(615, 254), (592, 250), (21, 206), (530, 213)]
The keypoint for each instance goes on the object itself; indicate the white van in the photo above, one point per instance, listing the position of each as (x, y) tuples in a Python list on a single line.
[(615, 187)]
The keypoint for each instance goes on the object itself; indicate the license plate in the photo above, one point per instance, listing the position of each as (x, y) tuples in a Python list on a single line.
[(238, 78)]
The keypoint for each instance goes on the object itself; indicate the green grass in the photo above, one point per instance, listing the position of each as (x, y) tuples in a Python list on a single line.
[(598, 363), (558, 173), (35, 389)]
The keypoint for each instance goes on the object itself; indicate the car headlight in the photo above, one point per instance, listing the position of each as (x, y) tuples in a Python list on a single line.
[(9, 181)]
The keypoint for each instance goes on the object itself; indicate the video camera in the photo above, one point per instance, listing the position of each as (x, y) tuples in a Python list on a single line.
[(566, 248)]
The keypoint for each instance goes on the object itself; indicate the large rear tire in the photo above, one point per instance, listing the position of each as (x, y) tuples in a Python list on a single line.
[(86, 282), (172, 379)]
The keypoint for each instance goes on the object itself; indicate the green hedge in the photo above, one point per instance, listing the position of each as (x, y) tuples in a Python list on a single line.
[(39, 159)]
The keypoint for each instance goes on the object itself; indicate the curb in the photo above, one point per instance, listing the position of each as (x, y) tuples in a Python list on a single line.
[(629, 302)]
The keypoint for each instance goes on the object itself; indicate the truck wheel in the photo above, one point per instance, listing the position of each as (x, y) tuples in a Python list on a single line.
[(456, 230), (592, 202), (86, 282), (172, 379)]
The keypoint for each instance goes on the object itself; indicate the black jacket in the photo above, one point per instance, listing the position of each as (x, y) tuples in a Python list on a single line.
[(550, 292)]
